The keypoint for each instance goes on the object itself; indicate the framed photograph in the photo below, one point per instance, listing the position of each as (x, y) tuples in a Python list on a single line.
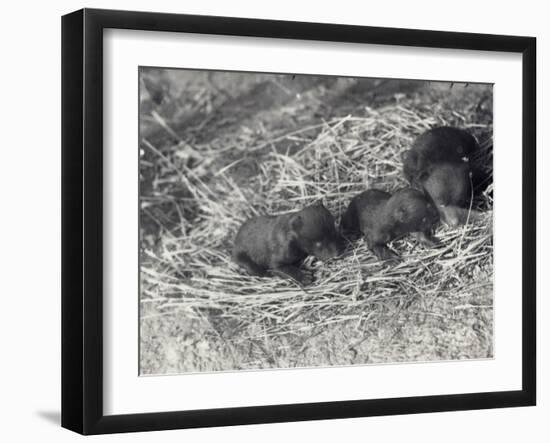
[(270, 221)]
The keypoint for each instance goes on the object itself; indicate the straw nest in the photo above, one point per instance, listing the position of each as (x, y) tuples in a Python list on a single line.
[(195, 298)]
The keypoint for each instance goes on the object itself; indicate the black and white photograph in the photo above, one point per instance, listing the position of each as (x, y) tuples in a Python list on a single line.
[(298, 221), (243, 222)]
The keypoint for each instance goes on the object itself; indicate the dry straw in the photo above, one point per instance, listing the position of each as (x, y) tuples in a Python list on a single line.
[(190, 271)]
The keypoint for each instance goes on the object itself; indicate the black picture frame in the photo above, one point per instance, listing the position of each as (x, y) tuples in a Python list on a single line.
[(82, 218)]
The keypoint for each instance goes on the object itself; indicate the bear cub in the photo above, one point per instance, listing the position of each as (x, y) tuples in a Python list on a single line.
[(449, 186), (439, 164), (278, 244), (382, 217), (444, 144)]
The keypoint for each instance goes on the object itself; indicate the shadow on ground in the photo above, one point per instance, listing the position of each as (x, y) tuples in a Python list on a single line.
[(53, 417)]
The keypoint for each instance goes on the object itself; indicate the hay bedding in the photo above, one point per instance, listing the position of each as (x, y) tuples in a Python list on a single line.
[(188, 279)]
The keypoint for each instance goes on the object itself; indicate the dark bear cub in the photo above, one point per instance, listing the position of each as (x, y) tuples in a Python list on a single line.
[(449, 186), (439, 164), (279, 244), (444, 144), (382, 217)]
